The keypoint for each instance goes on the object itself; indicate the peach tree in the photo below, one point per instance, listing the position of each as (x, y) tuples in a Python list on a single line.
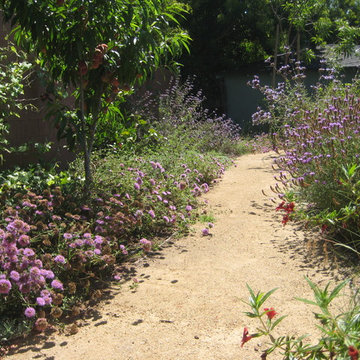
[(98, 50)]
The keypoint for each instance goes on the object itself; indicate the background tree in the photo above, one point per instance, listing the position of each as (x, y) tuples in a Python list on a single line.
[(228, 35), (15, 71), (99, 48)]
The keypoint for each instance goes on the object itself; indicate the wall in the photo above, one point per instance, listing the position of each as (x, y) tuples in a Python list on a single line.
[(31, 127), (241, 101)]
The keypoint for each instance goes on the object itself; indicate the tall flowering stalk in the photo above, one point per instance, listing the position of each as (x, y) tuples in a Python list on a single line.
[(319, 165)]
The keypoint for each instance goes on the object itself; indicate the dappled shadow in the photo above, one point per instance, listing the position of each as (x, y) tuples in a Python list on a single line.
[(266, 206), (33, 343), (313, 250), (263, 169)]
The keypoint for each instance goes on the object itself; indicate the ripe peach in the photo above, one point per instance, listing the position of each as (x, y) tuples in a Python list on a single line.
[(115, 90), (102, 47), (115, 82), (106, 77)]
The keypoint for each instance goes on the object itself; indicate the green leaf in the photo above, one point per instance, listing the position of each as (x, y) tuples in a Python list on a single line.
[(337, 289), (266, 296), (277, 321), (306, 301), (251, 315)]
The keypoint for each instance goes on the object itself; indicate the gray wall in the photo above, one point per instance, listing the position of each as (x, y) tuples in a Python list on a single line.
[(31, 126), (241, 101)]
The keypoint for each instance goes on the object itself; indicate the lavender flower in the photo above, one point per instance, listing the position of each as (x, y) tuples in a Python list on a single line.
[(146, 244), (5, 286), (29, 312), (40, 301), (59, 259), (56, 284), (14, 275), (205, 232)]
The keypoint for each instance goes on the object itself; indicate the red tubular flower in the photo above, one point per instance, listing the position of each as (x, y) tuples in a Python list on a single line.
[(271, 313), (353, 353), (246, 337), (281, 206), (290, 207), (285, 219)]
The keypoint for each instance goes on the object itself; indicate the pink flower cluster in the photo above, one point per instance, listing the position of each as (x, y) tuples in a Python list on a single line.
[(22, 270)]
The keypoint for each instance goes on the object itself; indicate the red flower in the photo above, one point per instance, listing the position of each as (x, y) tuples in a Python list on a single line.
[(290, 207), (285, 219), (353, 353), (281, 206), (246, 337), (271, 313), (83, 69)]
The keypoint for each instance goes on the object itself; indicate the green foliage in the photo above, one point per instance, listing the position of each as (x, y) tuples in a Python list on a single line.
[(319, 170), (14, 74), (230, 34)]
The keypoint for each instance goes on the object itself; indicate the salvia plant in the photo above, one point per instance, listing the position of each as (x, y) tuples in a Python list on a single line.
[(317, 129), (319, 166)]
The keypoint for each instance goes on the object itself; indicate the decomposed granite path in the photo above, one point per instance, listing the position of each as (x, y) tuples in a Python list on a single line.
[(187, 303)]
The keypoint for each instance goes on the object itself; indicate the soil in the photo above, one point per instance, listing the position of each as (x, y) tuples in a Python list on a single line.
[(187, 303)]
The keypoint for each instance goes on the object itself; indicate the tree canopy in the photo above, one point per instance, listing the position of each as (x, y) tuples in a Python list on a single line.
[(227, 35), (100, 48)]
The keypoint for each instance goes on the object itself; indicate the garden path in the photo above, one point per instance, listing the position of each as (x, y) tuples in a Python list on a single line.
[(187, 303)]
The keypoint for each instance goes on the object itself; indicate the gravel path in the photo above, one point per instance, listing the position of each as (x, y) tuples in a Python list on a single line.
[(187, 303)]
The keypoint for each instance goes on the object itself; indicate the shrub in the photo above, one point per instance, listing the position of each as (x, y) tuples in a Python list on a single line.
[(179, 119), (318, 134), (320, 162)]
